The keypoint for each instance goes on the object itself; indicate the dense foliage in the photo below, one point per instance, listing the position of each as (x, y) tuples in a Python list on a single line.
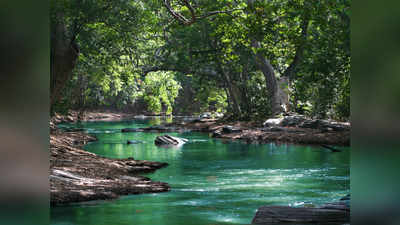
[(193, 56)]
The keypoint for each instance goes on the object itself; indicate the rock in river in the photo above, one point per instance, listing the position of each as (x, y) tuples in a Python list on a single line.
[(268, 215), (169, 140), (134, 142), (231, 129)]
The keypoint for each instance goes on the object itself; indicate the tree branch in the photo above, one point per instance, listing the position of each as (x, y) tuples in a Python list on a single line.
[(163, 68), (218, 12), (290, 71), (178, 16)]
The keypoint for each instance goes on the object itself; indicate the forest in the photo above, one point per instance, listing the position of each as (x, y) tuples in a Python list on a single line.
[(247, 59), (199, 112)]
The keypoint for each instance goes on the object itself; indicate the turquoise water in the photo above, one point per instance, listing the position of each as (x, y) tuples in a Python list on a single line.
[(212, 182)]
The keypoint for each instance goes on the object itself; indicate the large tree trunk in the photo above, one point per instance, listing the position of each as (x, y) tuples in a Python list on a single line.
[(63, 58), (266, 68), (268, 71), (290, 73), (232, 92)]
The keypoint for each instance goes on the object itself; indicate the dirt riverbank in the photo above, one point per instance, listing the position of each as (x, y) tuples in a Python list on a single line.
[(77, 175), (285, 130)]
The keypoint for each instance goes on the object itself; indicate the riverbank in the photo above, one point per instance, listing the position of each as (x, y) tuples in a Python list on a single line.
[(77, 175), (290, 129)]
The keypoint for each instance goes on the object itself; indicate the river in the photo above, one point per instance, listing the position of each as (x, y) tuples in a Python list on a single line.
[(213, 182)]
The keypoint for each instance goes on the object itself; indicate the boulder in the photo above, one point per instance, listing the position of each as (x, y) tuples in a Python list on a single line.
[(277, 129), (339, 126), (206, 115), (216, 134), (312, 124), (167, 140), (272, 122), (325, 125), (292, 121), (70, 119), (230, 129), (300, 215), (218, 115)]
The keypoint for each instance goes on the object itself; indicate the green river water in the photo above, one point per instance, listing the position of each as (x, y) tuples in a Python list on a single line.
[(213, 182)]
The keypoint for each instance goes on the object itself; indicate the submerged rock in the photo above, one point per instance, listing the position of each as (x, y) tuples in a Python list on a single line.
[(167, 140), (134, 142)]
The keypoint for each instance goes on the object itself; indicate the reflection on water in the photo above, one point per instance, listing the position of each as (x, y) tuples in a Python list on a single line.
[(212, 182)]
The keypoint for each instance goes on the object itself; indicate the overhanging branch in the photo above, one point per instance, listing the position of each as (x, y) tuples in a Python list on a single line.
[(178, 16)]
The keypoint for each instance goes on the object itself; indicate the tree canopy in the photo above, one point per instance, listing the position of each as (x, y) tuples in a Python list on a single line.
[(248, 59)]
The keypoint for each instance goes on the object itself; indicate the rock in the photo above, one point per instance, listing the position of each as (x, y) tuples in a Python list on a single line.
[(70, 119), (206, 115), (231, 129), (292, 121), (77, 175), (72, 129), (341, 205), (325, 125), (335, 126), (312, 124), (272, 122), (169, 140), (216, 134), (277, 129), (347, 197), (218, 115), (285, 214), (134, 142)]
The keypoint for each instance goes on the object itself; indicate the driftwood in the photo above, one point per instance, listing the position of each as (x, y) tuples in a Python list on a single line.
[(169, 140), (290, 215)]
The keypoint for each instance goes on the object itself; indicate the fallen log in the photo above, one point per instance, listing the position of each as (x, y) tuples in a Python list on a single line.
[(266, 215)]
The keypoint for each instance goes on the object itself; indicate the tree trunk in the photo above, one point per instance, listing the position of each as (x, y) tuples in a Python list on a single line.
[(232, 93), (266, 68), (63, 58), (268, 71), (290, 72)]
